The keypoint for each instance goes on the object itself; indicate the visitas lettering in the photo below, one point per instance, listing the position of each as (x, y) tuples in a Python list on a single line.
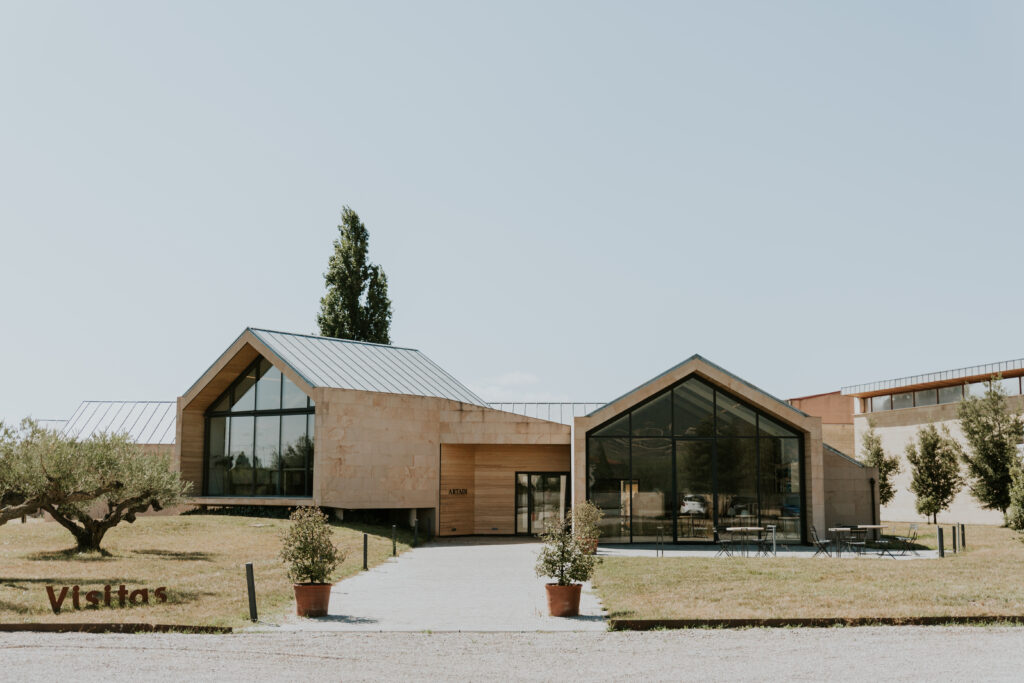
[(123, 596)]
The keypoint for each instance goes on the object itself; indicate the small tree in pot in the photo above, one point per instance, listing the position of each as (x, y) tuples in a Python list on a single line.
[(564, 558), (585, 518), (307, 546)]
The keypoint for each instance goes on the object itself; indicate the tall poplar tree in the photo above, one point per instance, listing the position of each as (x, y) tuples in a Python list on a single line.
[(935, 470), (992, 432), (356, 305), (888, 466)]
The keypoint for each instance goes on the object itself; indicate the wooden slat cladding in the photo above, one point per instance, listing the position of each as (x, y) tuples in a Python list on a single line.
[(456, 514), (487, 473)]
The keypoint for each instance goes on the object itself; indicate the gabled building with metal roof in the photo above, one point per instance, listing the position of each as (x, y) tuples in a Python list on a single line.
[(293, 419), (144, 422)]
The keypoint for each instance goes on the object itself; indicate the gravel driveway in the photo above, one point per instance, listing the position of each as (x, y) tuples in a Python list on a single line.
[(881, 653)]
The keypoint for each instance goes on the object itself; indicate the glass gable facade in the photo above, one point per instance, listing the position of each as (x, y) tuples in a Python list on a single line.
[(259, 437), (690, 459)]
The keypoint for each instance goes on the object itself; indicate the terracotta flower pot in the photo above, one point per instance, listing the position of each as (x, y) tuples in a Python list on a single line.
[(563, 601), (311, 599)]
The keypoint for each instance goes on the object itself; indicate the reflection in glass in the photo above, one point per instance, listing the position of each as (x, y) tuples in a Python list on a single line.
[(925, 397), (618, 427), (780, 486), (268, 455), (652, 504), (737, 482), (292, 396), (903, 400), (654, 418), (244, 392), (734, 418), (522, 503), (241, 453), (218, 462), (694, 489), (268, 388), (879, 403), (694, 409), (610, 487), (951, 394)]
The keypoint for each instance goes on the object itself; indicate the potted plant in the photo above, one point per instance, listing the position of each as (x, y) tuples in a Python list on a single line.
[(308, 548), (564, 559), (585, 517)]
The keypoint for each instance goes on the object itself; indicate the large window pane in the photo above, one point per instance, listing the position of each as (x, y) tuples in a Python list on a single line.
[(245, 392), (218, 462), (268, 388), (737, 482), (610, 485), (617, 427), (951, 394), (880, 403), (694, 409), (1011, 386), (293, 397), (780, 486), (654, 418), (241, 456), (769, 427), (734, 418), (903, 400), (925, 397), (694, 489), (268, 455), (652, 504)]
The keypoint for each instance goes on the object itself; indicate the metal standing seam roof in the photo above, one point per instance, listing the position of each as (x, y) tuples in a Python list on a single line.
[(942, 376), (145, 422), (346, 364), (562, 412)]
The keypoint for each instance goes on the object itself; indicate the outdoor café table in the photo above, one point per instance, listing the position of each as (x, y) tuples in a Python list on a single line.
[(838, 532), (743, 531)]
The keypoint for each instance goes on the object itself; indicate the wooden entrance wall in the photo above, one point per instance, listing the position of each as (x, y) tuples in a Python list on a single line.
[(478, 484)]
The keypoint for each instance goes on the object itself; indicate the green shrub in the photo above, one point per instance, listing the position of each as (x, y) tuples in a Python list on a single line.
[(585, 517), (564, 557), (307, 546)]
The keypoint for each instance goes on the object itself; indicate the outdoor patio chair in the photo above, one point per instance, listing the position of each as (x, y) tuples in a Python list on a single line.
[(724, 540), (908, 542), (821, 544), (857, 541), (764, 542)]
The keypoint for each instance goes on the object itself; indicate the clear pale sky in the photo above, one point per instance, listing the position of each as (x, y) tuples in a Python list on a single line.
[(568, 198)]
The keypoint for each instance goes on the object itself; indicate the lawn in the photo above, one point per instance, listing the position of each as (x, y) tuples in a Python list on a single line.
[(985, 581), (198, 558)]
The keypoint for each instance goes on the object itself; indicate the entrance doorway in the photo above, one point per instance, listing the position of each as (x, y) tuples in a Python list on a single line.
[(541, 497)]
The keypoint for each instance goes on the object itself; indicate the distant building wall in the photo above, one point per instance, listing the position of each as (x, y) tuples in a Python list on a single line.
[(836, 413), (897, 428)]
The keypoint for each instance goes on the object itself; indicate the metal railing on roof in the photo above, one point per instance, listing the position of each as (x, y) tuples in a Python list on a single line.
[(944, 376)]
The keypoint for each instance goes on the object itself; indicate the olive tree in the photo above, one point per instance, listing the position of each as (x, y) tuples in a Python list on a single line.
[(88, 487)]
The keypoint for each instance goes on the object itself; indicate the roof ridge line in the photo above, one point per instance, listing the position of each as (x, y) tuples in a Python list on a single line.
[(320, 336)]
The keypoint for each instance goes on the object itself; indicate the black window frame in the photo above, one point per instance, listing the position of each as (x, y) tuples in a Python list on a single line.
[(309, 409), (798, 434)]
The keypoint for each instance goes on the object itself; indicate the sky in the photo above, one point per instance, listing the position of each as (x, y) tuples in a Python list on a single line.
[(567, 198)]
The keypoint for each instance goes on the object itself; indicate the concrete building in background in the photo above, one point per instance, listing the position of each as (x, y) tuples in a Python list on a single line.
[(898, 408)]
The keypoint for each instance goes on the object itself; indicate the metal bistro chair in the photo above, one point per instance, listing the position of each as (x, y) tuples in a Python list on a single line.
[(908, 542), (725, 544), (821, 544), (857, 542), (766, 541)]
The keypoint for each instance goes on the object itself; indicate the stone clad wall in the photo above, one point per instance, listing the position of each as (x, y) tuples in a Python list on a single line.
[(848, 492)]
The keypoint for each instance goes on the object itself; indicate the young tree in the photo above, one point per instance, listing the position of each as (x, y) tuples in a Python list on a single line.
[(935, 470), (356, 305), (1015, 513), (992, 432), (71, 479), (887, 466)]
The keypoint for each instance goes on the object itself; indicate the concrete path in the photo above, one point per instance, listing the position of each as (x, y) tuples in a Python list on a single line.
[(452, 585)]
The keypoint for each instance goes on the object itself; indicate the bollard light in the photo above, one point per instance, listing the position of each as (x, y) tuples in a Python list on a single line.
[(250, 583)]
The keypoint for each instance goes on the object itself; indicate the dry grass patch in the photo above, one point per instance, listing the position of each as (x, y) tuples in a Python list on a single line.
[(199, 558), (985, 581)]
